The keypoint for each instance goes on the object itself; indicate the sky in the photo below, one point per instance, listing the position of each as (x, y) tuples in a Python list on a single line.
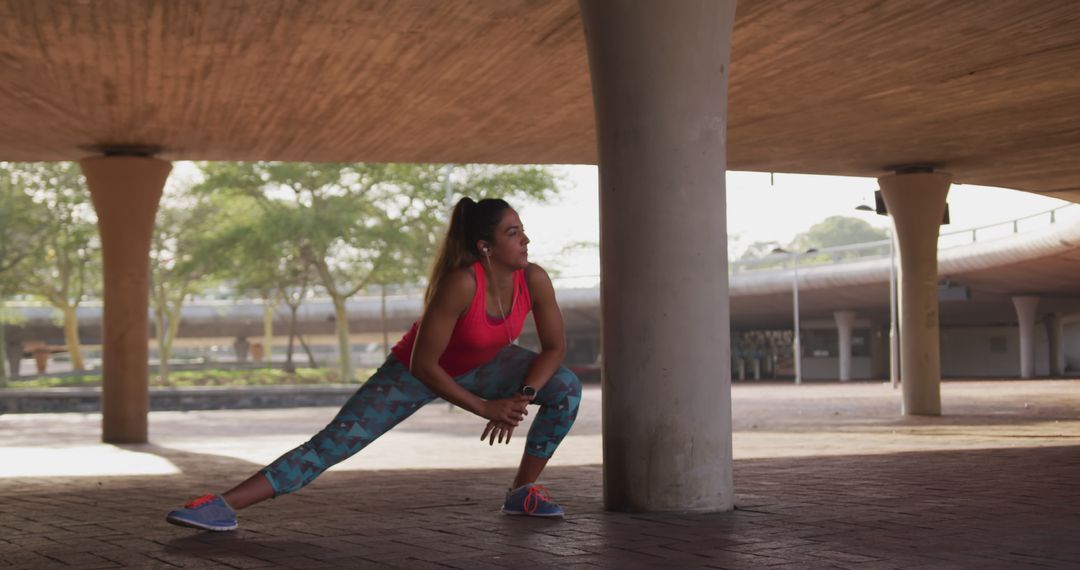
[(759, 209)]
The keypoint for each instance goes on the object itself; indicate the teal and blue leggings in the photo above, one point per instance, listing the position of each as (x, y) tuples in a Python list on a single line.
[(392, 394)]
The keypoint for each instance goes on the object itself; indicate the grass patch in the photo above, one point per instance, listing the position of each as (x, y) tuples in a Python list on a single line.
[(210, 377)]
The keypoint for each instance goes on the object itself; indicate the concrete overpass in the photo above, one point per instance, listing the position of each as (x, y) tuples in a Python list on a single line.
[(924, 93), (1037, 255)]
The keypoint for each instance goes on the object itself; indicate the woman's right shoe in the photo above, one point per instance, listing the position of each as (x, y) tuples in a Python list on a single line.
[(531, 500), (208, 512)]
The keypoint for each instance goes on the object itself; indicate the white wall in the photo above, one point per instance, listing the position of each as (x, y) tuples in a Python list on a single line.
[(966, 352), (1072, 348), (828, 368)]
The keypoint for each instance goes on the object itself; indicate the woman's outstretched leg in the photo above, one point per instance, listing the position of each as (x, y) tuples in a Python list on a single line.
[(254, 489), (387, 398)]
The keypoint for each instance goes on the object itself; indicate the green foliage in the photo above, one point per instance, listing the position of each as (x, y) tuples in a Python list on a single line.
[(22, 229), (196, 378), (759, 249), (182, 258), (832, 232), (358, 224), (835, 231), (353, 225), (65, 265)]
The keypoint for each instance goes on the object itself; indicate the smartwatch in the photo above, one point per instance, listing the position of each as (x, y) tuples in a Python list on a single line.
[(528, 391)]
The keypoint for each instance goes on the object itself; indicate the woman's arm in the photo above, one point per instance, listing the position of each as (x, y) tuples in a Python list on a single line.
[(449, 302), (549, 327)]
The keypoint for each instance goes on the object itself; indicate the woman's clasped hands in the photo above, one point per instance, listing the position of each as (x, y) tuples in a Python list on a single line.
[(503, 416)]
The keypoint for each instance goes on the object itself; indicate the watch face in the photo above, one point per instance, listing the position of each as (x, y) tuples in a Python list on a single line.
[(528, 391)]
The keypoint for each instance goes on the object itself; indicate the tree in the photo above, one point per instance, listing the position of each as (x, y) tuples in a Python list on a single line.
[(359, 225), (838, 230), (68, 267), (759, 249), (258, 254), (179, 259), (21, 230)]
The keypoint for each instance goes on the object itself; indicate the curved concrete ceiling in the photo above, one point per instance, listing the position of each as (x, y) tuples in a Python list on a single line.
[(986, 89)]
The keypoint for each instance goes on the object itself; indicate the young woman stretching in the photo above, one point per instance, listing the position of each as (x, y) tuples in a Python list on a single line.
[(482, 286)]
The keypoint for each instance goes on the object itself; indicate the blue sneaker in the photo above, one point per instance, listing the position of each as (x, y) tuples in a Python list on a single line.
[(531, 500), (208, 512)]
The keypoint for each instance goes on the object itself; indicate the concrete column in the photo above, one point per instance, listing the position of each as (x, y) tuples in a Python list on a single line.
[(916, 202), (659, 76), (1055, 335), (1025, 314), (845, 322), (125, 191)]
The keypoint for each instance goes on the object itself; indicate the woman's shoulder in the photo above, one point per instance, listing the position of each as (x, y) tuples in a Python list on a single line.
[(461, 280), (456, 290), (535, 276)]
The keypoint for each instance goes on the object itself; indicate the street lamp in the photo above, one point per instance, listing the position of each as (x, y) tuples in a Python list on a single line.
[(894, 335), (796, 346)]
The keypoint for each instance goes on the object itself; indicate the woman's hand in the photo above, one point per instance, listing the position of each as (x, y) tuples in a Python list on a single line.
[(497, 429), (506, 410)]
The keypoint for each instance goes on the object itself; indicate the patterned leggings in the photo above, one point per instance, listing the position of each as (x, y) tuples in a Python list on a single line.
[(392, 394)]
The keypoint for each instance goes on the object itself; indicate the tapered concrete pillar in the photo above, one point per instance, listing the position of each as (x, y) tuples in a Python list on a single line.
[(1025, 315), (916, 202), (125, 191), (659, 75), (845, 322), (1055, 336)]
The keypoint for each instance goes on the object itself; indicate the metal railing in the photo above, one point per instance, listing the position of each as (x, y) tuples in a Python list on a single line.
[(946, 240)]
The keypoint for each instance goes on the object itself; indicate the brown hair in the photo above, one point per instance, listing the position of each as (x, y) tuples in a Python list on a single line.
[(470, 222)]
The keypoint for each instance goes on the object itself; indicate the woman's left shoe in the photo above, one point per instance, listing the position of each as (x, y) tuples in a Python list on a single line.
[(208, 512), (531, 500)]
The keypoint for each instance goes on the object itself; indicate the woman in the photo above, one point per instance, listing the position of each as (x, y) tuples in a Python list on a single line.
[(481, 289)]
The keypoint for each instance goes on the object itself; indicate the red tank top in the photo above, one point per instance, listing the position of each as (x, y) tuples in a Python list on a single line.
[(477, 336)]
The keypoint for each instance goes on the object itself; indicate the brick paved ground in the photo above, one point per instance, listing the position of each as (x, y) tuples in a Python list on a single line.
[(827, 476)]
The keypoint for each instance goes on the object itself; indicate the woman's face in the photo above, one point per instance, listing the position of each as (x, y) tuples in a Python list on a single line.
[(511, 245)]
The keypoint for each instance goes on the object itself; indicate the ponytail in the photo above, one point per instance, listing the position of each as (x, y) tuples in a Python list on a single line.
[(470, 222)]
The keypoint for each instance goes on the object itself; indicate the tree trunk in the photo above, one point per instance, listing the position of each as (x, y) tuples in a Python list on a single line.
[(289, 366), (307, 349), (382, 322), (172, 325), (71, 337), (3, 349), (341, 326), (268, 330), (163, 358)]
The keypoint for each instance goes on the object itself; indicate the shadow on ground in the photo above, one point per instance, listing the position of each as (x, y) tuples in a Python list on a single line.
[(1001, 508)]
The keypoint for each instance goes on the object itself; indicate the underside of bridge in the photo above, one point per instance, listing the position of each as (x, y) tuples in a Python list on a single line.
[(986, 90)]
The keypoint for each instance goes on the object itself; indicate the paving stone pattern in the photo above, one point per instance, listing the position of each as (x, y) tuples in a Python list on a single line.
[(1012, 505), (1006, 508)]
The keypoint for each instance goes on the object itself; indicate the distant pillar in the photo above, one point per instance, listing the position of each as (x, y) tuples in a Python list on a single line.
[(14, 350), (659, 78), (1025, 315), (125, 191), (41, 359), (845, 322), (1055, 335), (916, 202)]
